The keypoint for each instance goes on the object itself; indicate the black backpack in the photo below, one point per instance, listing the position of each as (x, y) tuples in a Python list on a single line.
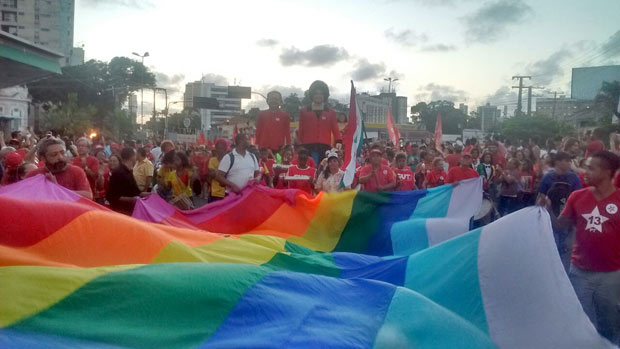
[(558, 193), (232, 161)]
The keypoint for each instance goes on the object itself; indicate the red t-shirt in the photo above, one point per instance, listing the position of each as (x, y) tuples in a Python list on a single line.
[(527, 181), (593, 147), (72, 178), (435, 178), (93, 164), (310, 161), (273, 129), (597, 241), (453, 160), (458, 174), (384, 176), (406, 177), (304, 184)]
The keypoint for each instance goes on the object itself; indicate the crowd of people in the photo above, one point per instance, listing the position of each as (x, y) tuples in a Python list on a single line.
[(575, 178)]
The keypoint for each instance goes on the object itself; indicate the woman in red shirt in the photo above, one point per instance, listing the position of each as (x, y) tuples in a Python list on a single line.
[(437, 175)]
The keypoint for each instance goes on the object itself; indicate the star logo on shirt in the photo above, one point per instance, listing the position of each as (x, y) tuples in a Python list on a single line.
[(595, 220)]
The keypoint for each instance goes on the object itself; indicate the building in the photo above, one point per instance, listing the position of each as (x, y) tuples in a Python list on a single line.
[(21, 61), (576, 112), (586, 82), (43, 22), (374, 108), (464, 109), (229, 107), (490, 115)]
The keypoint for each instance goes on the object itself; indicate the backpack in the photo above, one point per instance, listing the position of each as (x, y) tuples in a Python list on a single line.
[(558, 194), (232, 161)]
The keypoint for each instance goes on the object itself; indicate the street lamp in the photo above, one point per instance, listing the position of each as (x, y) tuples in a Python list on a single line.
[(146, 54), (390, 85)]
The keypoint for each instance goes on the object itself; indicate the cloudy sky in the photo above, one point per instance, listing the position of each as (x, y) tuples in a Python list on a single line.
[(460, 50)]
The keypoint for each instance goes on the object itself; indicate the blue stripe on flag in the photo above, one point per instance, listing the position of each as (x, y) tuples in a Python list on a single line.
[(448, 275), (435, 204)]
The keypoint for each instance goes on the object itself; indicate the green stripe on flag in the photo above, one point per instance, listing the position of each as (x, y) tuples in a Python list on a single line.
[(164, 305)]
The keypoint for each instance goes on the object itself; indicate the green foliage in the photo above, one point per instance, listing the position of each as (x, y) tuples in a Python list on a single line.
[(100, 85), (453, 121), (525, 127), (291, 106), (69, 118)]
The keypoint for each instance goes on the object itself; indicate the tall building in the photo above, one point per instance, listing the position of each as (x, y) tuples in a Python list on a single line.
[(586, 82), (229, 107), (48, 23), (464, 109), (374, 108), (576, 112), (489, 116)]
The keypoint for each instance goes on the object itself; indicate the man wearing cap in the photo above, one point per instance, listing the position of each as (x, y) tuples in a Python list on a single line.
[(11, 163), (463, 171), (375, 176), (273, 126), (318, 123), (53, 152)]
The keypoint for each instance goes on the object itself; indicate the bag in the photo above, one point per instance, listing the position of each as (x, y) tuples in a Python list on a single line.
[(558, 194), (232, 161)]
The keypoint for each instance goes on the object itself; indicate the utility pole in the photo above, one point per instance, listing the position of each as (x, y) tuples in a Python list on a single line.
[(146, 54), (529, 99), (519, 111), (555, 97)]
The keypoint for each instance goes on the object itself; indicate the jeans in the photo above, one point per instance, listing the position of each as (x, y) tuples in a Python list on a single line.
[(599, 294), (507, 205)]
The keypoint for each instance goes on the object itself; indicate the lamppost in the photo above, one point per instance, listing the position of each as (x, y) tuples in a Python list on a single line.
[(390, 83), (146, 54)]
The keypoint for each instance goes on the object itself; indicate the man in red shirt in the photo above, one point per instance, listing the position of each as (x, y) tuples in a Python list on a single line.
[(454, 159), (53, 152), (86, 162), (595, 263), (273, 126), (499, 160), (301, 176), (404, 175), (318, 123), (375, 176), (464, 171)]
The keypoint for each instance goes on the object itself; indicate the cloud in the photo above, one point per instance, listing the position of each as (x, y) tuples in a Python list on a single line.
[(284, 90), (546, 70), (322, 55), (407, 37), (138, 4), (435, 92), (611, 48), (173, 83), (267, 42), (503, 95), (365, 70), (438, 48), (491, 21), (215, 78)]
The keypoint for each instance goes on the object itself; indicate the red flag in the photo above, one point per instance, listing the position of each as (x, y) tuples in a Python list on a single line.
[(438, 132), (235, 132), (393, 132), (201, 140)]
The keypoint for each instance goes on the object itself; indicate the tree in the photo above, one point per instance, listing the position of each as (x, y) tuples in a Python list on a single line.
[(102, 85), (525, 127), (69, 118), (291, 106), (453, 121)]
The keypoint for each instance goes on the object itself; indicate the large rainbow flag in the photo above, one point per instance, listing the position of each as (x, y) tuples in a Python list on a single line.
[(281, 269)]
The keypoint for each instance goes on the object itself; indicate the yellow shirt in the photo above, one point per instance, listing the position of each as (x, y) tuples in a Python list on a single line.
[(141, 170), (217, 190)]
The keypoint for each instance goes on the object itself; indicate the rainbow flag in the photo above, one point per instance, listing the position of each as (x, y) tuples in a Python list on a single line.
[(330, 271)]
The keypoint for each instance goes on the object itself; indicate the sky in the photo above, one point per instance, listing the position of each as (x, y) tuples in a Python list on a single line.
[(465, 51)]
